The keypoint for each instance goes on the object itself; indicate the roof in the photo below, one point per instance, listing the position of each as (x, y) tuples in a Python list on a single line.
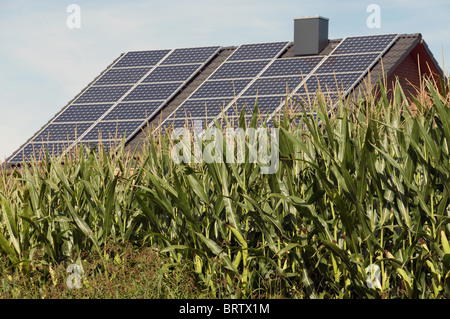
[(142, 89)]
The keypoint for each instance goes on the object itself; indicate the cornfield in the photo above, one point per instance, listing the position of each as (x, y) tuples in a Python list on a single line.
[(368, 186)]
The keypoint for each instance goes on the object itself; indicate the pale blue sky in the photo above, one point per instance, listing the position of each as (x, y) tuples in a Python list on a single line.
[(44, 64)]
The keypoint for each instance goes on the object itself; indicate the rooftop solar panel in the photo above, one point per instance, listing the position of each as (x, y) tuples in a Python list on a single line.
[(235, 70), (292, 66), (190, 55), (365, 44), (133, 89), (38, 151), (266, 104), (141, 58), (83, 112), (62, 132), (273, 85), (201, 108), (215, 87), (329, 83), (177, 125), (220, 88), (132, 111), (174, 73), (98, 94), (111, 130), (151, 77), (340, 71), (258, 51), (148, 92), (122, 76), (347, 63)]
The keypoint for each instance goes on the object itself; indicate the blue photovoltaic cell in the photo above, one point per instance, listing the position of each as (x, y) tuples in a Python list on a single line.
[(178, 124), (190, 55), (347, 63), (220, 88), (272, 86), (122, 76), (112, 130), (364, 44), (331, 83), (132, 111), (201, 108), (38, 151), (257, 51), (82, 112), (236, 70), (171, 73), (98, 94), (147, 92), (141, 58), (292, 66), (61, 132), (266, 104), (233, 122)]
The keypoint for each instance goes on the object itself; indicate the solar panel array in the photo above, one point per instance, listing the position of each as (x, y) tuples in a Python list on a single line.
[(120, 101), (231, 80), (267, 80), (140, 83)]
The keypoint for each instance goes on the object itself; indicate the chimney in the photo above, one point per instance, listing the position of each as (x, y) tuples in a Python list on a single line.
[(310, 35)]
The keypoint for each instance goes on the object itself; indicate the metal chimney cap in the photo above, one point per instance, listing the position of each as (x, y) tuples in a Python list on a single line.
[(312, 17)]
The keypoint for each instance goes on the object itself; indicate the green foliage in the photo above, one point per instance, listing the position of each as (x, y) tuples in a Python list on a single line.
[(369, 184)]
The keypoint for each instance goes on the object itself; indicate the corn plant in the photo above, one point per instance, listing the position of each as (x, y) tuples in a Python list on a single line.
[(364, 186)]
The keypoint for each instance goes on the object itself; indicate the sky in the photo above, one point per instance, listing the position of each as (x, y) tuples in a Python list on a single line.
[(44, 63)]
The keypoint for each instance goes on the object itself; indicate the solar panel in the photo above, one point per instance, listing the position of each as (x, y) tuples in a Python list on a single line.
[(340, 71), (99, 94), (174, 73), (140, 83), (273, 86), (122, 76), (113, 130), (178, 125), (83, 113), (231, 79), (141, 58), (55, 132), (365, 44), (148, 92), (201, 108), (329, 83), (347, 63), (132, 111), (257, 51), (266, 104), (235, 70), (292, 66), (220, 88), (38, 151), (190, 55), (133, 88)]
